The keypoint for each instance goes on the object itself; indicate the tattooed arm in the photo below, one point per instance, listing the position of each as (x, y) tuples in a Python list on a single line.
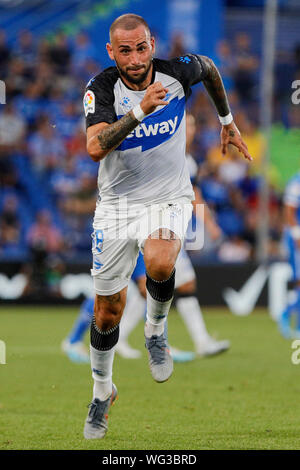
[(102, 138), (215, 88)]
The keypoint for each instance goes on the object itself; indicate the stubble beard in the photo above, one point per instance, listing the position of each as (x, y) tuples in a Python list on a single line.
[(137, 80)]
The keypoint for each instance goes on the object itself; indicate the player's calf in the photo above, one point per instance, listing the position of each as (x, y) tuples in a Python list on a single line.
[(104, 337), (159, 298)]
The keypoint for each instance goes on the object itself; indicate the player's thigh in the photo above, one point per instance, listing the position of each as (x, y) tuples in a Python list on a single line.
[(161, 253), (114, 259), (163, 229)]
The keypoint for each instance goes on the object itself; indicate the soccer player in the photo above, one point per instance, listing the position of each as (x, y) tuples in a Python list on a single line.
[(186, 301), (291, 201), (135, 119)]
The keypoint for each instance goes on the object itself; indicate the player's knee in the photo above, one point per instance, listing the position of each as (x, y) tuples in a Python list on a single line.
[(160, 264), (160, 268)]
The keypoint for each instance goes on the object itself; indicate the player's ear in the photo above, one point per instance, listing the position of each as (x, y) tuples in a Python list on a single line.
[(152, 42), (110, 51)]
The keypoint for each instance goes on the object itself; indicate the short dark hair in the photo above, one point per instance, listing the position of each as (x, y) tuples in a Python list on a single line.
[(128, 21)]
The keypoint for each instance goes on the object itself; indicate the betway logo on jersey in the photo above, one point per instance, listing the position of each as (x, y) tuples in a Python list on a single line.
[(156, 128)]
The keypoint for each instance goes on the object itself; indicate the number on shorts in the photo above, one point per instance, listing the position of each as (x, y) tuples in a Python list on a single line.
[(98, 240)]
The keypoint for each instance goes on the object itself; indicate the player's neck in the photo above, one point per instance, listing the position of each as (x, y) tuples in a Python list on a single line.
[(140, 86)]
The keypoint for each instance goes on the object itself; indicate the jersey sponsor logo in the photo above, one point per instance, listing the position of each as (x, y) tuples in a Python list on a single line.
[(89, 102), (157, 128)]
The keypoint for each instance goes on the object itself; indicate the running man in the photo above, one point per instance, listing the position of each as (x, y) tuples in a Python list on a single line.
[(135, 119)]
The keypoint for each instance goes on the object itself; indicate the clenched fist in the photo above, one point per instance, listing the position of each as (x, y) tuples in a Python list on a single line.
[(154, 97)]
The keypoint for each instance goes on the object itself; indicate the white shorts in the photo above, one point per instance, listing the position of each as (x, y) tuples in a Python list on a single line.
[(184, 269), (120, 234)]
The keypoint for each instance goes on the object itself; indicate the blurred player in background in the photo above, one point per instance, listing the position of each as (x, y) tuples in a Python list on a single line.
[(291, 201), (135, 119)]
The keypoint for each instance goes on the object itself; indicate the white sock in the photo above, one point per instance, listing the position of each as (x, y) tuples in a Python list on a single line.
[(101, 364), (190, 311), (133, 312), (157, 313)]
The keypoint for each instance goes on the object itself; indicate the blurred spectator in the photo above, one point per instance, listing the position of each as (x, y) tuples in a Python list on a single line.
[(233, 169), (177, 47), (16, 78), (64, 181), (44, 241), (297, 58), (83, 201), (225, 61), (60, 54), (25, 49), (9, 224), (30, 104), (46, 147), (12, 129), (67, 120), (43, 236), (245, 73), (234, 250), (5, 53), (83, 51)]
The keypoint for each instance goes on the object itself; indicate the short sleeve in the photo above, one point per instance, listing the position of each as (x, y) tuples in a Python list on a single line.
[(189, 69), (98, 101)]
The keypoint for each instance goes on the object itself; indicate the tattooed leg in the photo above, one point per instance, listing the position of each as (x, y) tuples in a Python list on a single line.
[(108, 309)]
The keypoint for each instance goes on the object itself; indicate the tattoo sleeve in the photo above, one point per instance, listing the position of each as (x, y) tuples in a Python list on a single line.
[(214, 86), (113, 135)]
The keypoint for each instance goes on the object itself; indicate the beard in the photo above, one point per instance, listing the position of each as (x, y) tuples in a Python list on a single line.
[(135, 80)]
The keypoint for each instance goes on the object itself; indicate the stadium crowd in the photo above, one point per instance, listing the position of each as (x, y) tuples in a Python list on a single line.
[(48, 182)]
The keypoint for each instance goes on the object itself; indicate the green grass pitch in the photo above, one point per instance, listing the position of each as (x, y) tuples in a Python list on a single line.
[(247, 398)]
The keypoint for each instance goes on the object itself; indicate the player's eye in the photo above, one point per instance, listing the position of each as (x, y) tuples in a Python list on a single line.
[(125, 51)]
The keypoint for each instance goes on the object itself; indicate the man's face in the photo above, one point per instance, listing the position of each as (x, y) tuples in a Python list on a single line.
[(132, 51)]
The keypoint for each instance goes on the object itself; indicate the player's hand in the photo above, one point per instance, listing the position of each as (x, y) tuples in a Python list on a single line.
[(154, 97), (231, 135)]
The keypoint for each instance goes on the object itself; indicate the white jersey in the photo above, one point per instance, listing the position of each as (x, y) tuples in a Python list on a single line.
[(149, 166)]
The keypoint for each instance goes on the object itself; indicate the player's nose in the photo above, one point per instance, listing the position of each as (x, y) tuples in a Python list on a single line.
[(135, 61)]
